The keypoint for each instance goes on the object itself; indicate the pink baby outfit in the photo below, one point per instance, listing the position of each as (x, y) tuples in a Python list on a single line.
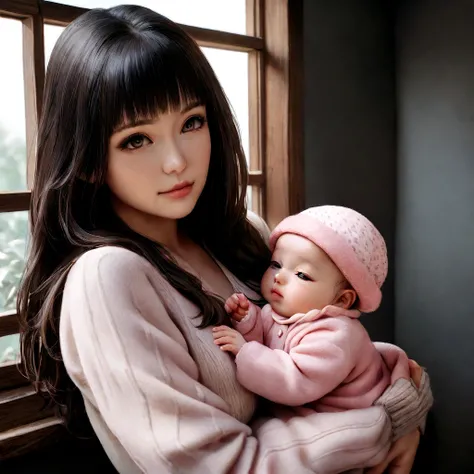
[(323, 358)]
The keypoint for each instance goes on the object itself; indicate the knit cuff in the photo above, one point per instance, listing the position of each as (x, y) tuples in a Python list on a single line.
[(406, 405)]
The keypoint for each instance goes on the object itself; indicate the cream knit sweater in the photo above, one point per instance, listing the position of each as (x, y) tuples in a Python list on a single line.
[(162, 398)]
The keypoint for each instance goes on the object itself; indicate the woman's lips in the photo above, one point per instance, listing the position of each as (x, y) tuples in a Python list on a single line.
[(178, 191)]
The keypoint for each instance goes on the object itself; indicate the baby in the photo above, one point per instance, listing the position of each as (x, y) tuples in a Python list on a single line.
[(307, 346)]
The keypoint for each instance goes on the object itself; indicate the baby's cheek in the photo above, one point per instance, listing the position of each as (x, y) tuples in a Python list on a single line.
[(304, 295), (267, 283), (305, 298)]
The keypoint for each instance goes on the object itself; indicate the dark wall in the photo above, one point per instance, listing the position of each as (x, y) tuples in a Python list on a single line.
[(350, 136), (435, 226)]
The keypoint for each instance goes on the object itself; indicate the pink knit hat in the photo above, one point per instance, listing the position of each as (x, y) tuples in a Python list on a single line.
[(351, 241)]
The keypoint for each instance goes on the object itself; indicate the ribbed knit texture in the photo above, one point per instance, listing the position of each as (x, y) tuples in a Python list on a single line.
[(163, 398)]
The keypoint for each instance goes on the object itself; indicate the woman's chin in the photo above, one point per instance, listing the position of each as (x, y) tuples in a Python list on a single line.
[(177, 209)]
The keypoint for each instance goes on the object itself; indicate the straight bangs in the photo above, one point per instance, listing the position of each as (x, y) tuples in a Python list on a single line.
[(147, 76)]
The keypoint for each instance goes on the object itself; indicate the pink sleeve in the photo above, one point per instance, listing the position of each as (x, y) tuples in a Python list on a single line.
[(129, 358), (395, 359), (256, 325), (314, 367)]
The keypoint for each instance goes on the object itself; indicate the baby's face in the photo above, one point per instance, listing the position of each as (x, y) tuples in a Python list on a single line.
[(300, 278)]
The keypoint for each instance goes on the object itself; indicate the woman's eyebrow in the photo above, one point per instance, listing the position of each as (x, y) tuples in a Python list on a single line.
[(192, 105), (137, 123)]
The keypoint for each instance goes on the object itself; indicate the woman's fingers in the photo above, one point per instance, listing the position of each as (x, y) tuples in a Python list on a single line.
[(380, 468), (401, 456), (415, 372)]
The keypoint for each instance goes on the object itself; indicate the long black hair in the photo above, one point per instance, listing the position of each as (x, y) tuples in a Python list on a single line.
[(108, 64)]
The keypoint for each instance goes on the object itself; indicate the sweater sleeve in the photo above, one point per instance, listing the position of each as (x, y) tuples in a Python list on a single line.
[(406, 405), (321, 360), (135, 368)]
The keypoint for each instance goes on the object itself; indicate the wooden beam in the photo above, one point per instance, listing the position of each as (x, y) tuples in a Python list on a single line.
[(223, 40), (8, 323), (61, 15), (34, 72), (32, 436), (256, 178), (18, 8), (12, 202), (21, 406), (256, 104), (283, 136), (10, 377)]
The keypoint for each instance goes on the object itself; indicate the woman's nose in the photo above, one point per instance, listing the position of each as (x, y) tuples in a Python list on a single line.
[(174, 162)]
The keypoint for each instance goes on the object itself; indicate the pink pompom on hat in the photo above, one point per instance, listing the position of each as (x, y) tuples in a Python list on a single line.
[(351, 241)]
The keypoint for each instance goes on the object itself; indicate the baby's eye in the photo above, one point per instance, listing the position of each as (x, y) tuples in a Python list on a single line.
[(303, 276), (194, 123), (274, 264), (134, 142)]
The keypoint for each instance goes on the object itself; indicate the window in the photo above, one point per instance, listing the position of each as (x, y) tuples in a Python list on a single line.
[(13, 225), (264, 89), (215, 14)]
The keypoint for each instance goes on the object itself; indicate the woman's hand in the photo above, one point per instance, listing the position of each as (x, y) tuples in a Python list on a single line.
[(402, 454), (415, 372)]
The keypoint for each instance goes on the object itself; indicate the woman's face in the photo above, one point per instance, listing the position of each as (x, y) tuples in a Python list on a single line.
[(159, 167)]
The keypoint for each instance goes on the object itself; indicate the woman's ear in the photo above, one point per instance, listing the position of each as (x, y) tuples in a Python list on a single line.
[(346, 299)]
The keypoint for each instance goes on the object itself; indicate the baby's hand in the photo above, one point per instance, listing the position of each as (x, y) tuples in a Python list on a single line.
[(229, 339), (237, 306)]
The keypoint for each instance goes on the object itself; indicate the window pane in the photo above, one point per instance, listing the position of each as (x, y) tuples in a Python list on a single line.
[(231, 68), (9, 349), (51, 35), (254, 199), (224, 15), (249, 197), (12, 108), (13, 235)]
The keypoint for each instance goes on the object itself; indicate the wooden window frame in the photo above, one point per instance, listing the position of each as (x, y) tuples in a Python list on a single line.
[(274, 44)]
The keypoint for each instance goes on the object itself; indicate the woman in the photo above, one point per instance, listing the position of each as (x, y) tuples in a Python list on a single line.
[(139, 232)]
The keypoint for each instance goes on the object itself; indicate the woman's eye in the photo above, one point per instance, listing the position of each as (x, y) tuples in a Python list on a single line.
[(134, 142), (194, 123), (303, 276), (274, 264)]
